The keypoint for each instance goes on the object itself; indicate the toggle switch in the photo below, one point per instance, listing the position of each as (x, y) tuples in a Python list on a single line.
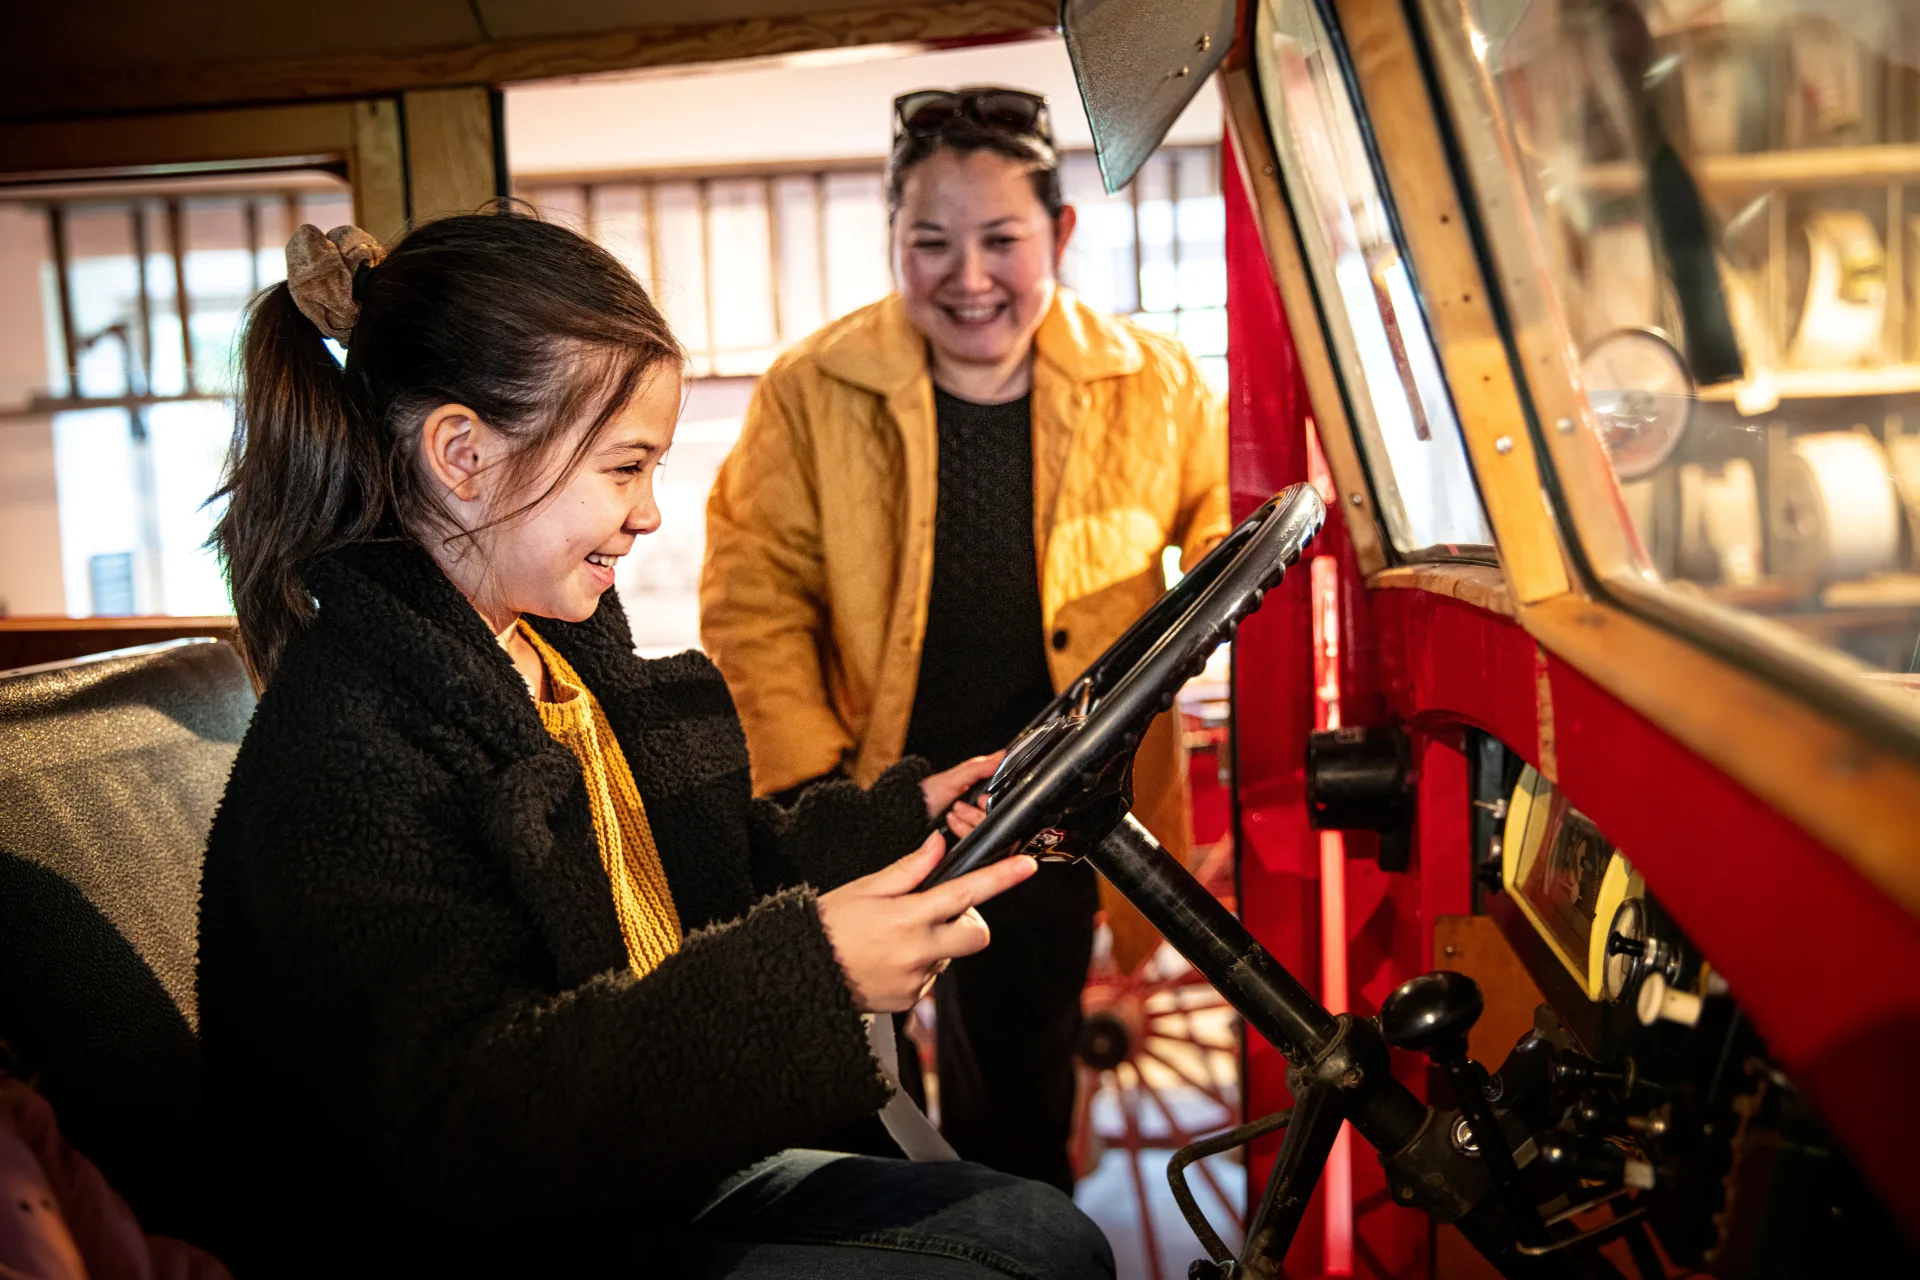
[(1659, 1001)]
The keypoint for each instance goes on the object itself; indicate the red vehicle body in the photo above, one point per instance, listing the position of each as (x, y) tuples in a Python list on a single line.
[(1827, 966)]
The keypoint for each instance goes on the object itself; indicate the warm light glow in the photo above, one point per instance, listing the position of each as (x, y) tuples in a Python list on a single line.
[(1337, 1179), (1479, 43)]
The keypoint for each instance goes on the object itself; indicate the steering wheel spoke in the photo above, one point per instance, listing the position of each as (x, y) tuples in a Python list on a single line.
[(1067, 780)]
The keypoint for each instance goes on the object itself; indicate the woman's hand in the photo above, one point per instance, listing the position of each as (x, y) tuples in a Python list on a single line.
[(892, 942), (944, 789)]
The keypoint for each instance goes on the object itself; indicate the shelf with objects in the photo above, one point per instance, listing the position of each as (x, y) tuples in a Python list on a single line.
[(1786, 486)]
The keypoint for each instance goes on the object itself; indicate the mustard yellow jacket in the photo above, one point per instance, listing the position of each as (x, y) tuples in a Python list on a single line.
[(813, 597)]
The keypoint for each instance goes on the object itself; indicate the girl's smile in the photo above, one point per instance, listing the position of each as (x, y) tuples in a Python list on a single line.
[(556, 558)]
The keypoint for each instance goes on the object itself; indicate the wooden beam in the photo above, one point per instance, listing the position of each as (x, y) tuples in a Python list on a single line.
[(449, 151), (377, 169), (54, 93), (158, 143)]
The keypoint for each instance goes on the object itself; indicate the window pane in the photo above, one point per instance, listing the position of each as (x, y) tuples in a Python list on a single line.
[(799, 211), (1756, 392), (742, 273), (617, 219), (858, 271), (1398, 400), (137, 446), (680, 240)]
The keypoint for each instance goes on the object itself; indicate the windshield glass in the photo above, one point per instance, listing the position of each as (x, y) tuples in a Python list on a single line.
[(1717, 193), (1396, 396)]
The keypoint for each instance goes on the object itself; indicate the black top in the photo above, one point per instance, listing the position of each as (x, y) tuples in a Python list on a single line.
[(983, 663), (414, 997)]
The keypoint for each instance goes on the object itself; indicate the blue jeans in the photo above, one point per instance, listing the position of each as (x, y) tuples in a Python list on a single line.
[(815, 1215)]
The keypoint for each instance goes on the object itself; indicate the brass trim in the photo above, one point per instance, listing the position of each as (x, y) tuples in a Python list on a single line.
[(1553, 378), (1254, 157)]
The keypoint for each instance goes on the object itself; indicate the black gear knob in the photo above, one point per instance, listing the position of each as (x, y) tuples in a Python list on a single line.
[(1432, 1014)]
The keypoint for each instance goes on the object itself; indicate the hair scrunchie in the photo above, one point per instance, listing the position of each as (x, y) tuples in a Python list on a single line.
[(323, 273)]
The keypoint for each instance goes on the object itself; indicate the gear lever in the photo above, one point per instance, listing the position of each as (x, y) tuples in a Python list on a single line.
[(1431, 1014)]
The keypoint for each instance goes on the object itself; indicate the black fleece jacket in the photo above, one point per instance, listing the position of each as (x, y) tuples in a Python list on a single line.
[(422, 1042)]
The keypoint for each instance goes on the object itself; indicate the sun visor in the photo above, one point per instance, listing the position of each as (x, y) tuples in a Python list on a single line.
[(1139, 63)]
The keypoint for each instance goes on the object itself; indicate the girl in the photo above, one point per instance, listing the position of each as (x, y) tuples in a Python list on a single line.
[(501, 967)]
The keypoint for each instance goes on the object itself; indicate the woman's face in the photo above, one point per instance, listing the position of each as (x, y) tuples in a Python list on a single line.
[(976, 254), (558, 559)]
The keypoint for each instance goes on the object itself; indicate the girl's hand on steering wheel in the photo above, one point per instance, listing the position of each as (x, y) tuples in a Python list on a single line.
[(944, 790), (892, 942)]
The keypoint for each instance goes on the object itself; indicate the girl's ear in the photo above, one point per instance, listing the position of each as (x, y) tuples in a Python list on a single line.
[(456, 447)]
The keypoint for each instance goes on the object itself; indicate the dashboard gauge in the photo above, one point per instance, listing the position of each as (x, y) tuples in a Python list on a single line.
[(1642, 398), (1566, 878), (1626, 948)]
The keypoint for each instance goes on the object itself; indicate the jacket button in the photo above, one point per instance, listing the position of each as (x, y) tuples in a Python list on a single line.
[(1060, 638)]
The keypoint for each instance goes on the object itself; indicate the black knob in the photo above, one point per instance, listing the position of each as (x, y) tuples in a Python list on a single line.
[(1432, 1013), (1619, 945), (1595, 1162), (1573, 1072), (1597, 1114)]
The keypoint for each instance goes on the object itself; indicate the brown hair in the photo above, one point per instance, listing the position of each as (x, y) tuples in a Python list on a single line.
[(532, 326), (963, 136)]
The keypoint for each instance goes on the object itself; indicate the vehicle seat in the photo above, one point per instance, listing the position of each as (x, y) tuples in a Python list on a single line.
[(110, 770)]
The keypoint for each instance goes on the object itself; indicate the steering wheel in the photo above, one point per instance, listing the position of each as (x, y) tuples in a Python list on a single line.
[(1064, 791), (1067, 780)]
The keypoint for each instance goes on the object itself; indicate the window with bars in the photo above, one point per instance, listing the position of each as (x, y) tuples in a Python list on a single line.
[(142, 291), (745, 264)]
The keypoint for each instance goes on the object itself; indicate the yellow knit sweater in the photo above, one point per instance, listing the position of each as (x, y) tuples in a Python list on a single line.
[(648, 920)]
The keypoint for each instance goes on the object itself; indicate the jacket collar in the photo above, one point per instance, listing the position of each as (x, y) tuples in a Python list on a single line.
[(391, 601), (878, 349), (405, 625)]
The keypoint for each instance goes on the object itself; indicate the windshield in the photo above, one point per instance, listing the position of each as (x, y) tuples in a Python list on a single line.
[(1396, 394), (1715, 197)]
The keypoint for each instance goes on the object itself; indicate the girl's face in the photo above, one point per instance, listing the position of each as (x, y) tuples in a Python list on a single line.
[(976, 255), (557, 559)]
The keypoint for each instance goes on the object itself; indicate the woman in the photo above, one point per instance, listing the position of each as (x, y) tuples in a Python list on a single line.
[(941, 508), (502, 970)]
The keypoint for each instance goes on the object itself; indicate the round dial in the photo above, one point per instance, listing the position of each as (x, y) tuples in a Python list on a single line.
[(1642, 398), (1627, 944)]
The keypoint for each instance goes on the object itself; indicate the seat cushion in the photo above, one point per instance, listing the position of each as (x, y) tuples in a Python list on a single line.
[(110, 771)]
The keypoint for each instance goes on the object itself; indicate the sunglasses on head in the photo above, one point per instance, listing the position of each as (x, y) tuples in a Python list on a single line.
[(925, 112)]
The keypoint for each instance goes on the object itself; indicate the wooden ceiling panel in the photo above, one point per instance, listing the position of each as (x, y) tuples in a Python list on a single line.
[(148, 33), (508, 19), (116, 56)]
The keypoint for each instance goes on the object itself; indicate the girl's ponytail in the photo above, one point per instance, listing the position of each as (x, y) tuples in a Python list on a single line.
[(302, 478)]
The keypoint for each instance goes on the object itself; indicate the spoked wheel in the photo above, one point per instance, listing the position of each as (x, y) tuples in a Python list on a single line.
[(1160, 1067)]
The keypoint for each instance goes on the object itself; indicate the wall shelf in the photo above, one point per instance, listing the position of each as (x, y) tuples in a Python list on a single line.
[(1813, 167), (1817, 384)]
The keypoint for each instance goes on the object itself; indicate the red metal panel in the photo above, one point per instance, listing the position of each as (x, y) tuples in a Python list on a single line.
[(1273, 713), (1827, 967), (1272, 668)]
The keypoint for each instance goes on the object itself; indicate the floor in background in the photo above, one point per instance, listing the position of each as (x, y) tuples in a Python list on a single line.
[(1108, 1196), (1112, 1193)]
